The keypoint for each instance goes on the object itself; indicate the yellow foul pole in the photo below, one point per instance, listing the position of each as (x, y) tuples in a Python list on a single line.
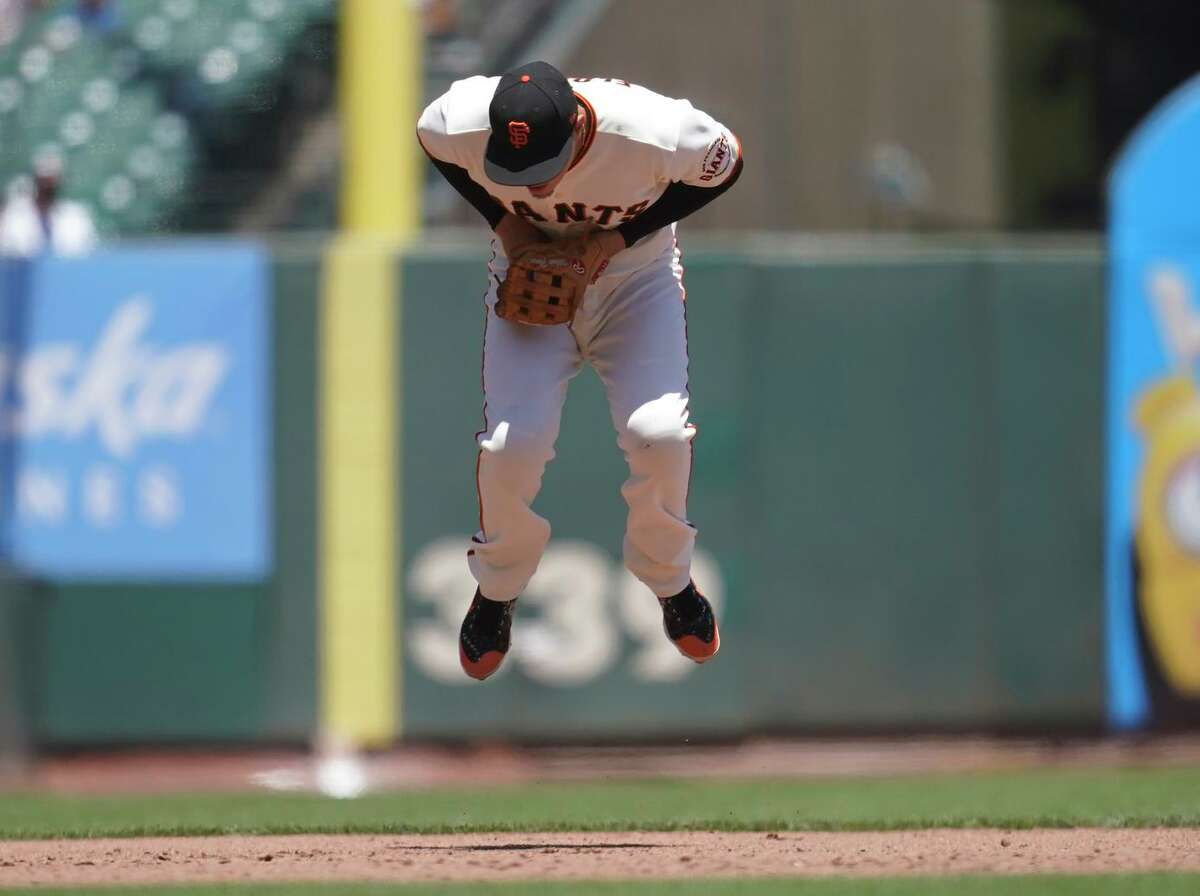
[(379, 95), (379, 92)]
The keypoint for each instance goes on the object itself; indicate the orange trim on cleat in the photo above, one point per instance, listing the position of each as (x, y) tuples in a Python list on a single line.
[(488, 664), (699, 651), (485, 636), (690, 624)]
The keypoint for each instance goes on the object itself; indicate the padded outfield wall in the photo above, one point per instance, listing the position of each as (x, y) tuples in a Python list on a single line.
[(897, 488)]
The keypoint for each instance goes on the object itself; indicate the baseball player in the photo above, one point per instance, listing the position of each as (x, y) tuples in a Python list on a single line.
[(582, 181)]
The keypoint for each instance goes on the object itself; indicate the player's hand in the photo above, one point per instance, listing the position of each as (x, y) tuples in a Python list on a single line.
[(601, 245), (517, 233), (545, 282), (610, 242)]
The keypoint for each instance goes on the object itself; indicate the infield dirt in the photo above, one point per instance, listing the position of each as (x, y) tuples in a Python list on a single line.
[(593, 856)]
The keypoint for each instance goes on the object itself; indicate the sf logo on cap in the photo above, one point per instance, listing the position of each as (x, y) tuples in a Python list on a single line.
[(518, 133)]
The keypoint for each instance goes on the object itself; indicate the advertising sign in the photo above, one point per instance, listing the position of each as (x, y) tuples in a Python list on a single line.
[(134, 431), (1153, 521)]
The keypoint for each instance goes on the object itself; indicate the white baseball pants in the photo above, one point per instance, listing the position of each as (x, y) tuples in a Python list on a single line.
[(632, 330)]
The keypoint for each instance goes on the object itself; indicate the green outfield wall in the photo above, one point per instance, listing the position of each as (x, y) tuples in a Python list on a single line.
[(897, 488)]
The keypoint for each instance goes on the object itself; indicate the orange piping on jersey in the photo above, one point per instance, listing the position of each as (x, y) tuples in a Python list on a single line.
[(687, 378), (591, 130), (679, 261), (483, 387), (478, 496)]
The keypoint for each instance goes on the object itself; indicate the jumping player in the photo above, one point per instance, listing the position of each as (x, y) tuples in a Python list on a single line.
[(612, 167)]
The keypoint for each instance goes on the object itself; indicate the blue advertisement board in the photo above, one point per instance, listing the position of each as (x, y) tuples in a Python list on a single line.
[(135, 423), (1152, 562)]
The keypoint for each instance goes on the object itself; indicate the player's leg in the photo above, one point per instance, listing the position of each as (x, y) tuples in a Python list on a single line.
[(525, 375), (640, 353)]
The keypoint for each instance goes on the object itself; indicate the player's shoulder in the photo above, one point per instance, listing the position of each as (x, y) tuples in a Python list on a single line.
[(634, 112), (463, 108)]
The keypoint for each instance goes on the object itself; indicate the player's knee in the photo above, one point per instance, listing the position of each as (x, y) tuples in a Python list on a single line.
[(658, 423), (518, 443)]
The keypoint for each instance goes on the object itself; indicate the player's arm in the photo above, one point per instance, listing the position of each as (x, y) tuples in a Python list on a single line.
[(513, 232), (431, 133), (493, 212), (706, 162), (439, 145)]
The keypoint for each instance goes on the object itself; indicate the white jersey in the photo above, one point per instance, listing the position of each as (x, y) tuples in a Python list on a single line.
[(637, 143)]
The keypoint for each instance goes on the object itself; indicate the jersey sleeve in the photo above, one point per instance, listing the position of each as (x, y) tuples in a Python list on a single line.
[(706, 152), (433, 132)]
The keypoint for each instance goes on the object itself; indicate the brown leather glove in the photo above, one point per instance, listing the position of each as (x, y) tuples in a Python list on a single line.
[(546, 281)]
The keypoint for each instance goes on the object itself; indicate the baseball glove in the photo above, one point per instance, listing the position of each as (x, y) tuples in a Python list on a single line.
[(546, 281)]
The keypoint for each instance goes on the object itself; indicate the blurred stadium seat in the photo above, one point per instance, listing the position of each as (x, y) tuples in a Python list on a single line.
[(177, 114), (133, 103)]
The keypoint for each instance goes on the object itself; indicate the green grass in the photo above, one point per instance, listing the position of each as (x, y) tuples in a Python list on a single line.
[(1041, 885), (1042, 798)]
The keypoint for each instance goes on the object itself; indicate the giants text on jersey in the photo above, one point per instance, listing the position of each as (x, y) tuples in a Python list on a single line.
[(637, 142)]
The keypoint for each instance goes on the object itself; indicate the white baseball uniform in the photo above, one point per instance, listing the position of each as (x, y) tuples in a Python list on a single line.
[(630, 326)]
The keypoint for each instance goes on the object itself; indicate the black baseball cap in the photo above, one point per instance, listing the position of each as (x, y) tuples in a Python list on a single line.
[(532, 114)]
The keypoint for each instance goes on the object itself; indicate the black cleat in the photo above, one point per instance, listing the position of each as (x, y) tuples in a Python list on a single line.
[(484, 638), (690, 623)]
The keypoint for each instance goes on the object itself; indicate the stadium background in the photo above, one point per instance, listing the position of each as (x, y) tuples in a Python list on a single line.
[(897, 327)]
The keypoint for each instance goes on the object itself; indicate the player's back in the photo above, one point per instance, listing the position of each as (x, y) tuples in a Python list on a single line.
[(631, 145), (631, 112)]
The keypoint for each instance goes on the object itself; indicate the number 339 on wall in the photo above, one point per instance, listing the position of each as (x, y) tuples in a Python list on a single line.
[(569, 622)]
